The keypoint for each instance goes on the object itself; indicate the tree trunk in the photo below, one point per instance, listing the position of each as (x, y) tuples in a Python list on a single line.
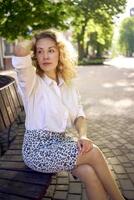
[(99, 51), (81, 52), (80, 41)]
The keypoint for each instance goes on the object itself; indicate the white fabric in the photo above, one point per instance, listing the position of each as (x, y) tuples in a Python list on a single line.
[(47, 105)]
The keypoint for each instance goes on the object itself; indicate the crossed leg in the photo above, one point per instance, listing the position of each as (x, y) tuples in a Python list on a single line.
[(93, 170), (94, 187)]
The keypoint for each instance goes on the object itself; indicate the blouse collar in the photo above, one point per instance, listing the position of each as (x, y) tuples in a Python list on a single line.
[(50, 81)]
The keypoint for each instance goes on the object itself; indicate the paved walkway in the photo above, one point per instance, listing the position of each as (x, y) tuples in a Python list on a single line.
[(108, 98)]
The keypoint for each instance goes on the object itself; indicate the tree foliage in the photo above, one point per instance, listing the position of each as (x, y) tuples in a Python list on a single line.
[(97, 39), (20, 17), (126, 39), (102, 12)]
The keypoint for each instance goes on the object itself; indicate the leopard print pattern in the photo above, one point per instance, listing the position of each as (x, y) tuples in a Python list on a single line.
[(49, 152)]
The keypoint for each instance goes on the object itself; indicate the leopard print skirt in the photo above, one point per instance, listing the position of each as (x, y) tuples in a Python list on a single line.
[(49, 152)]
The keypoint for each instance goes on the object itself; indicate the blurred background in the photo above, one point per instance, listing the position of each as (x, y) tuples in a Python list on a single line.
[(101, 31)]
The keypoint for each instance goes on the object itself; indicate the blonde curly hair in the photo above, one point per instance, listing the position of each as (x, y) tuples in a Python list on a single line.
[(67, 56)]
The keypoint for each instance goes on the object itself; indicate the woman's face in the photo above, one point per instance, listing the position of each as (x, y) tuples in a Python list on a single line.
[(47, 54)]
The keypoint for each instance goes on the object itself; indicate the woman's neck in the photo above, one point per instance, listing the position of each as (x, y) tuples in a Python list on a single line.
[(53, 76)]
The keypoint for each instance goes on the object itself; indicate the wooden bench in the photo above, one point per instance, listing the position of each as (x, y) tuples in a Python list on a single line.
[(17, 181), (10, 105)]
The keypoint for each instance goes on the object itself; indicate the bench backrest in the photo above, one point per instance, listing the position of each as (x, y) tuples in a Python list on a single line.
[(10, 104)]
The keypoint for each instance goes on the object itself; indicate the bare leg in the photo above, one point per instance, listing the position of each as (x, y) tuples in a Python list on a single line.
[(94, 187), (96, 160)]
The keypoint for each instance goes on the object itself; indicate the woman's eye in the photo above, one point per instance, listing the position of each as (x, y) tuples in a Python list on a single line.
[(39, 51), (51, 50)]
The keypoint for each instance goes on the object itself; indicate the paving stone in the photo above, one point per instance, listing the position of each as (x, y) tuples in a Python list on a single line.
[(74, 197), (130, 156), (129, 194), (50, 191), (130, 170), (60, 195), (84, 196), (123, 159), (123, 141), (129, 165), (105, 150), (132, 162), (109, 154), (62, 187), (129, 146), (117, 152), (53, 181), (62, 180), (126, 184), (122, 176), (114, 160), (131, 177), (118, 169), (83, 186), (75, 188), (62, 174)]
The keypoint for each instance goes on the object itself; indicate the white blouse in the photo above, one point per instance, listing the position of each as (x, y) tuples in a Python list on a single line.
[(48, 106)]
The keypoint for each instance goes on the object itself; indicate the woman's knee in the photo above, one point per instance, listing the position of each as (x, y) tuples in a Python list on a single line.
[(91, 157), (84, 172), (96, 152)]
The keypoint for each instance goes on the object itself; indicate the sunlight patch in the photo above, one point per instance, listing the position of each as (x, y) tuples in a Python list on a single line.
[(107, 85)]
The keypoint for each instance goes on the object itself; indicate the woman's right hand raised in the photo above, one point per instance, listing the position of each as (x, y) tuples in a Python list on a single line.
[(23, 47)]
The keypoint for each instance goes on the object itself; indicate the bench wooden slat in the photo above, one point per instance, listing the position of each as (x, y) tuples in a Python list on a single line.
[(18, 96), (4, 196), (15, 146), (2, 125), (14, 158), (23, 181), (7, 105), (14, 96), (13, 152), (27, 177), (17, 141), (4, 113), (10, 100), (21, 189), (12, 165)]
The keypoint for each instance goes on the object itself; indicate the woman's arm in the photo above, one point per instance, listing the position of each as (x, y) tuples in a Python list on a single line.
[(23, 66), (84, 144), (81, 126)]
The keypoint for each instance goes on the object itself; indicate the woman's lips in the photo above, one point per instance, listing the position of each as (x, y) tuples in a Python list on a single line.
[(46, 64)]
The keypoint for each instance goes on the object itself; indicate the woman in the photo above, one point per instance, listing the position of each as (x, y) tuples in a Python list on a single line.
[(52, 105)]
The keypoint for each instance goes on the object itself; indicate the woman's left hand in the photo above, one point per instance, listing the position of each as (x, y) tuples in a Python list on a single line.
[(84, 145)]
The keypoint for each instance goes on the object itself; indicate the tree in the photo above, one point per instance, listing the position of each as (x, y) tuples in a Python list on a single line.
[(102, 12), (97, 39), (20, 18), (126, 39)]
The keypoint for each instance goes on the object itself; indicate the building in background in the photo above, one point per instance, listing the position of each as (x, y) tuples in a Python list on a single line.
[(6, 52), (132, 12)]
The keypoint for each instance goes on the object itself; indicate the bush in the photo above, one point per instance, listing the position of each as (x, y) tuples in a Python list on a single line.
[(91, 61)]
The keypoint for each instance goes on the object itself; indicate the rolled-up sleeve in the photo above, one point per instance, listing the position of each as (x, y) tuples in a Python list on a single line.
[(26, 73)]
